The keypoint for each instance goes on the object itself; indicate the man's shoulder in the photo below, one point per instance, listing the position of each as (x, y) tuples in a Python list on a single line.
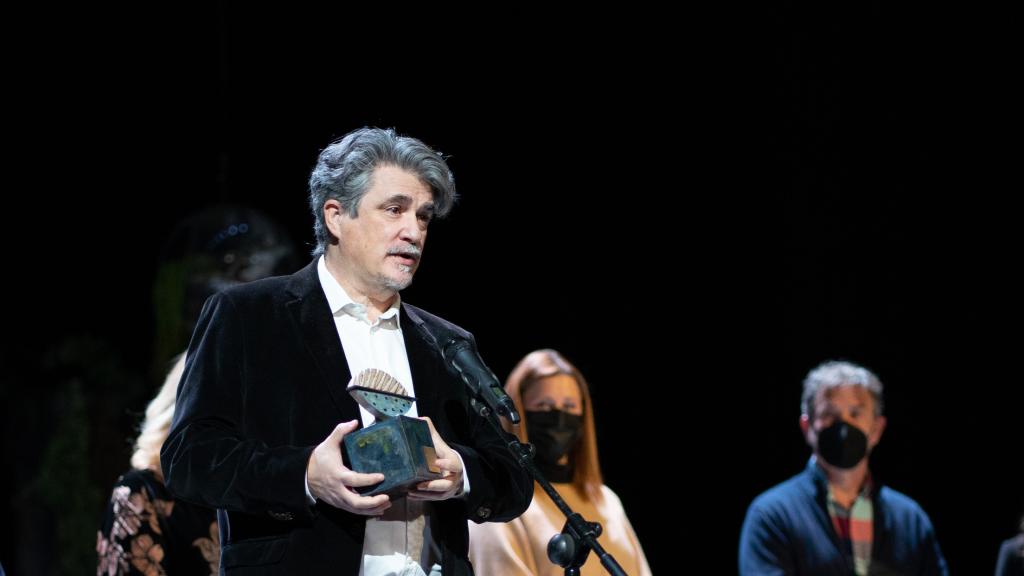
[(264, 290), (270, 285), (434, 323), (297, 285), (899, 505), (783, 513), (782, 496)]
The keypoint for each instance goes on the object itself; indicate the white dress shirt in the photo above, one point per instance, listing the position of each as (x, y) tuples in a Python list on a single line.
[(398, 542)]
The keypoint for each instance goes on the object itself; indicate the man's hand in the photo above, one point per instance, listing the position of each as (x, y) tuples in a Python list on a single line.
[(450, 484), (329, 480)]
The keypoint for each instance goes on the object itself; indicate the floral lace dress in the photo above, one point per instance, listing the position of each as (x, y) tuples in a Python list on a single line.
[(144, 531)]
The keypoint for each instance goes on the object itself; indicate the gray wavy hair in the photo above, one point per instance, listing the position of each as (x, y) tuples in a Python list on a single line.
[(833, 374), (345, 168)]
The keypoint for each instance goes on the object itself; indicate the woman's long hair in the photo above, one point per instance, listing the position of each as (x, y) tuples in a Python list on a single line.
[(541, 364), (157, 424)]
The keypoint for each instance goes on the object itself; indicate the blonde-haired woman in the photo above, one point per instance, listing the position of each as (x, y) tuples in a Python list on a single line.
[(558, 419), (144, 530)]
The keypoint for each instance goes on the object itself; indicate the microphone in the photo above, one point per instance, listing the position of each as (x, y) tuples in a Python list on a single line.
[(460, 353)]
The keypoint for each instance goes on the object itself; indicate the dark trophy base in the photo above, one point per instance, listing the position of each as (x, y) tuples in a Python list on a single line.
[(400, 448)]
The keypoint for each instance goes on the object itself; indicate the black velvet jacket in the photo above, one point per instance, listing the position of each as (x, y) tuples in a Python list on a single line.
[(264, 383)]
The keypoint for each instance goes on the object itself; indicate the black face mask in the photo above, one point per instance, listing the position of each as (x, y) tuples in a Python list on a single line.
[(553, 433), (842, 445)]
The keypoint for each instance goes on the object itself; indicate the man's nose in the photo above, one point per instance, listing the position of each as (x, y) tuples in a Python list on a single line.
[(411, 231)]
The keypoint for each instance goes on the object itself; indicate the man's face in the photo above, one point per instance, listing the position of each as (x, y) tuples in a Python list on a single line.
[(381, 248), (854, 404)]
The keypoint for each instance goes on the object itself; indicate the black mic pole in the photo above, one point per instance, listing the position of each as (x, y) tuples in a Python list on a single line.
[(570, 548)]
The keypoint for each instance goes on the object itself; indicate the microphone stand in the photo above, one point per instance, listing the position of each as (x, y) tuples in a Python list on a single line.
[(570, 548)]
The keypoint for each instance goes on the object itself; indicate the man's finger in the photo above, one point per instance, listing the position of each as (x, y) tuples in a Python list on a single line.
[(439, 485), (446, 464), (358, 479), (376, 511), (344, 428), (363, 503)]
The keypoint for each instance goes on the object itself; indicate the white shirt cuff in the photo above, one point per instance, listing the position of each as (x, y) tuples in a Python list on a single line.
[(465, 477), (309, 495)]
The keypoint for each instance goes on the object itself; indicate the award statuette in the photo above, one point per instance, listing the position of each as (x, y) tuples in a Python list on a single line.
[(395, 445)]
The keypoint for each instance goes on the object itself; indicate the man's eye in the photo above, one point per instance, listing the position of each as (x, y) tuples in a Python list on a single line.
[(392, 210)]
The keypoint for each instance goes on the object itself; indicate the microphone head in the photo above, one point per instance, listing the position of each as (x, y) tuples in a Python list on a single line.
[(453, 346)]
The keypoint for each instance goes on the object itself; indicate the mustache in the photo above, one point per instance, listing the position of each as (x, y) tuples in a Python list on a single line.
[(410, 250)]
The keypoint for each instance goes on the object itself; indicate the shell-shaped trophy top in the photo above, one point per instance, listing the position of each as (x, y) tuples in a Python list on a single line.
[(380, 393)]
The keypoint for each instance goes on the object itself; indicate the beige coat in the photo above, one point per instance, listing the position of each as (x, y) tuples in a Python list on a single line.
[(519, 547)]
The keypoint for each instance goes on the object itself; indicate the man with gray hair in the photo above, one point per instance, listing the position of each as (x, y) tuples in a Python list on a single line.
[(831, 518), (263, 408)]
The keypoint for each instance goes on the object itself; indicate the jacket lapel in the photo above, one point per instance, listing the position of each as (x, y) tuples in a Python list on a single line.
[(312, 317), (424, 358)]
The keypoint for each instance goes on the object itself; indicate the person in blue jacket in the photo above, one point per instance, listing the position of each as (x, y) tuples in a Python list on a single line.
[(832, 518)]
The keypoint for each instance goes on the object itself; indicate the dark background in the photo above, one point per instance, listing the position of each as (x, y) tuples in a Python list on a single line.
[(695, 209)]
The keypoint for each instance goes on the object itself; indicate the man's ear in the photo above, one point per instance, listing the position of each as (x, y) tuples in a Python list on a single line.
[(805, 427), (876, 431), (333, 212)]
